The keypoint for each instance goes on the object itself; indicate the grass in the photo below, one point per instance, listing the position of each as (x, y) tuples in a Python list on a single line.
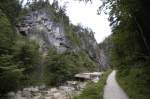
[(94, 90), (41, 97), (133, 85)]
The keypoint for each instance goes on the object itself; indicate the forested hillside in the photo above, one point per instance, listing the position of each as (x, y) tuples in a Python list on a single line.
[(131, 44), (38, 45)]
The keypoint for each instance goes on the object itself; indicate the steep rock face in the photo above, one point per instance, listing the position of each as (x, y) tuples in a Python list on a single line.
[(89, 45), (105, 53), (39, 26), (104, 60)]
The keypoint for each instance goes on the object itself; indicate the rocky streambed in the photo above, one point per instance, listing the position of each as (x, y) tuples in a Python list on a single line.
[(65, 91), (41, 92)]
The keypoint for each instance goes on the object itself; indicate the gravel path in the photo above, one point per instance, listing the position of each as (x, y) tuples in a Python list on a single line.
[(112, 89)]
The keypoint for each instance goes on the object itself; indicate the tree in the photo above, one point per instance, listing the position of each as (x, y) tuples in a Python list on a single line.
[(6, 34), (130, 54), (10, 74), (27, 55), (11, 9)]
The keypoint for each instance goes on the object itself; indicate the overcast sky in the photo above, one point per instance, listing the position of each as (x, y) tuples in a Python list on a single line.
[(86, 14)]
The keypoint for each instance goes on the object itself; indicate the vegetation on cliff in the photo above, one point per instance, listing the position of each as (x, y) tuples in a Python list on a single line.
[(62, 67), (17, 56), (21, 63)]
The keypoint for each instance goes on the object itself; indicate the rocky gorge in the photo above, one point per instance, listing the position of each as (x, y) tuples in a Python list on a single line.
[(42, 47), (68, 90), (40, 26)]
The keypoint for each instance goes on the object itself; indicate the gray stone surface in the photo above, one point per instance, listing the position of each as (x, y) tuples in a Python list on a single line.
[(66, 91), (39, 26)]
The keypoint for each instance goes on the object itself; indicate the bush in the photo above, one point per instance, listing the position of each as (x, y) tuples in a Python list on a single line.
[(135, 86), (10, 74), (61, 67), (94, 90)]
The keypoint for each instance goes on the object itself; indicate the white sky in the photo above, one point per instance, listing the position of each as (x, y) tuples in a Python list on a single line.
[(86, 14)]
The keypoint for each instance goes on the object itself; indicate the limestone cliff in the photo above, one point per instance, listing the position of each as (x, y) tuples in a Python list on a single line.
[(105, 53), (39, 25)]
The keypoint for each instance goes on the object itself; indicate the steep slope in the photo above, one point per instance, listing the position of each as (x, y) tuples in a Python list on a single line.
[(105, 53), (38, 45), (66, 49), (40, 26)]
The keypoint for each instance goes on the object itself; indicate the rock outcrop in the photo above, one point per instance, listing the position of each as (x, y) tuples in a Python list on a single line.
[(105, 53), (40, 26)]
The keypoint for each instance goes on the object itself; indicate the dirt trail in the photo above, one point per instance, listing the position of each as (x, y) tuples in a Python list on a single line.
[(112, 89)]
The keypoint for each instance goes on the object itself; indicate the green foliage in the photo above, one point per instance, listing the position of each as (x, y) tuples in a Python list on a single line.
[(41, 97), (59, 16), (11, 9), (134, 84), (17, 67), (20, 62), (106, 46), (26, 53), (130, 54), (6, 34), (27, 56), (94, 90), (18, 57), (10, 74), (61, 67), (71, 34)]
